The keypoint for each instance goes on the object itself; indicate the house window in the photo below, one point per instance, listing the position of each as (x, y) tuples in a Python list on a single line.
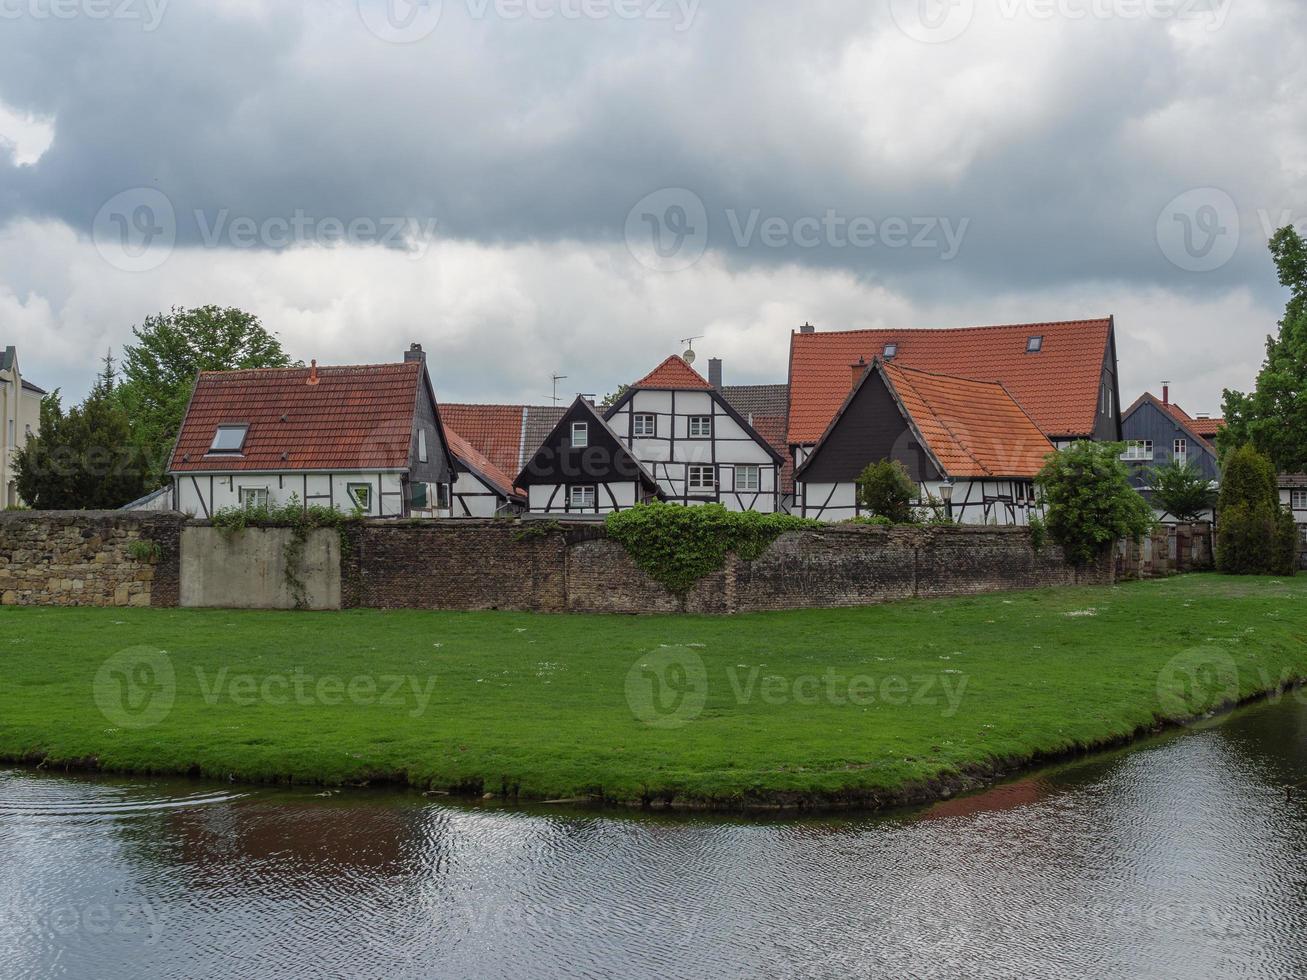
[(1302, 533), (891, 351), (1181, 451), (254, 498), (422, 445), (645, 425), (360, 494), (1138, 449), (1298, 499), (1020, 491), (748, 478), (229, 439), (1034, 345), (581, 436), (418, 496), (444, 498), (702, 480), (581, 498), (700, 426)]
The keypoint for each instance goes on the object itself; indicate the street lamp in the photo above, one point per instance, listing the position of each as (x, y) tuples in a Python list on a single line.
[(946, 494)]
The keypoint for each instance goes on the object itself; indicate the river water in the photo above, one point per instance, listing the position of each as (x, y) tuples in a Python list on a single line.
[(1180, 857)]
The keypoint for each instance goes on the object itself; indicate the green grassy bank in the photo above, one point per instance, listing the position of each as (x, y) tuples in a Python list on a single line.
[(868, 706)]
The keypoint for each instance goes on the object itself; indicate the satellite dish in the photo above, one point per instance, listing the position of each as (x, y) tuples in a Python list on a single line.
[(689, 356)]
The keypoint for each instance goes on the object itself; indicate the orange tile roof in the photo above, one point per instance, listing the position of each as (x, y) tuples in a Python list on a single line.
[(772, 428), (472, 458), (673, 373), (973, 428), (495, 431), (356, 417), (1059, 386)]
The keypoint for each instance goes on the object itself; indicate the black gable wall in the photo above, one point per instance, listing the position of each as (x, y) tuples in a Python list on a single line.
[(871, 429), (605, 460), (436, 468)]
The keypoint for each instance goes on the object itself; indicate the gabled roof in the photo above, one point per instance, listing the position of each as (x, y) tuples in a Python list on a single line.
[(969, 428), (1059, 386), (1196, 429), (508, 435), (475, 462), (353, 418), (675, 374), (583, 407)]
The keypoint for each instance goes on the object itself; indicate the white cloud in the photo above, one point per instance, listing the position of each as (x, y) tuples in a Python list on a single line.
[(25, 137)]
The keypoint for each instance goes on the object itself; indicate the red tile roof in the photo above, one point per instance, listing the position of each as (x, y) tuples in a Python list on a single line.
[(495, 431), (973, 428), (772, 428), (358, 417), (674, 373), (1059, 386), (473, 459)]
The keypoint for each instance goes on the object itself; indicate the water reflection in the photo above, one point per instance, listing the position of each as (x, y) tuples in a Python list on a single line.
[(1178, 858)]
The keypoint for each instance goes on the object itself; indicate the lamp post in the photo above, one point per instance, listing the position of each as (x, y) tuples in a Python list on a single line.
[(946, 494)]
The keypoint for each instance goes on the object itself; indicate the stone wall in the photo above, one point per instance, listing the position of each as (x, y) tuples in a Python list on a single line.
[(83, 558), (1169, 550)]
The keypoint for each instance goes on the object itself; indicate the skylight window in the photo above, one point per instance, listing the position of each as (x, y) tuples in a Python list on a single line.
[(1034, 345), (891, 351), (229, 439)]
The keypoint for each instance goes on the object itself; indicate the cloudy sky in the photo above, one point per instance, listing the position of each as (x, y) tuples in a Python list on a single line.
[(573, 186)]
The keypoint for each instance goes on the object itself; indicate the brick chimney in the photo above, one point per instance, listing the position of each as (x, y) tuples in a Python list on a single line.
[(715, 372), (415, 353), (313, 372), (859, 370), (1166, 393)]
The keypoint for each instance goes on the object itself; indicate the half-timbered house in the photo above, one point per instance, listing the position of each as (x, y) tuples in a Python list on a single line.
[(481, 489), (584, 469), (363, 439), (970, 437), (699, 448)]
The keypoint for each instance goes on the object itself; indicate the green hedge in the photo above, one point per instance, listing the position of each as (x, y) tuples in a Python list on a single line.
[(677, 546)]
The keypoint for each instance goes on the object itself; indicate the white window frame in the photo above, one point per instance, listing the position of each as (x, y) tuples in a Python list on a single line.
[(584, 429), (422, 445), (1138, 450), (576, 497), (1298, 499), (244, 430), (696, 427), (744, 469), (698, 470), (1180, 450), (644, 425), (253, 497), (364, 504)]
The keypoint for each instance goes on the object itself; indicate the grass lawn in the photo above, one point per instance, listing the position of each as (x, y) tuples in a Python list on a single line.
[(854, 704)]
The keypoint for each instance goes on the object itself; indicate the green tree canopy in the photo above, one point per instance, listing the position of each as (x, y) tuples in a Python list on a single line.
[(170, 348), (1255, 535), (1273, 418), (886, 490), (1181, 490), (1090, 501), (82, 458)]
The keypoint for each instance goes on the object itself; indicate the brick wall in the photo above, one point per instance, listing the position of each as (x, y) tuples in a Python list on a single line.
[(1169, 550), (81, 558)]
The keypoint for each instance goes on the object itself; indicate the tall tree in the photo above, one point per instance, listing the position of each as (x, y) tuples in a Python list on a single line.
[(1091, 504), (1273, 417), (159, 369), (1255, 535)]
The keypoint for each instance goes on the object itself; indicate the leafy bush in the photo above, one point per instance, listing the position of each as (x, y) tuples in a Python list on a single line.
[(1181, 490), (1255, 535), (1090, 501), (886, 490), (1038, 532), (677, 546), (143, 550)]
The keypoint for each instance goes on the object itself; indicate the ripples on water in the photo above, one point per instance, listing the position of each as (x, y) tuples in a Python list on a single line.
[(1178, 859)]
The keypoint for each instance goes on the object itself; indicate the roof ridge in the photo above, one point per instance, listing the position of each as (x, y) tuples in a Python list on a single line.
[(941, 374), (983, 326), (227, 372)]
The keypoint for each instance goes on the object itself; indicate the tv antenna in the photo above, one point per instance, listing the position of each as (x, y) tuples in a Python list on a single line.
[(689, 354), (557, 378)]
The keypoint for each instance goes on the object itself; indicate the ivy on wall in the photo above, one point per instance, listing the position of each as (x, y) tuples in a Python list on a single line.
[(677, 546)]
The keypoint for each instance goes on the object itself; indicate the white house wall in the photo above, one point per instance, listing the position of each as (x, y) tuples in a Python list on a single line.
[(554, 498), (670, 452), (974, 501), (203, 495), (473, 497)]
